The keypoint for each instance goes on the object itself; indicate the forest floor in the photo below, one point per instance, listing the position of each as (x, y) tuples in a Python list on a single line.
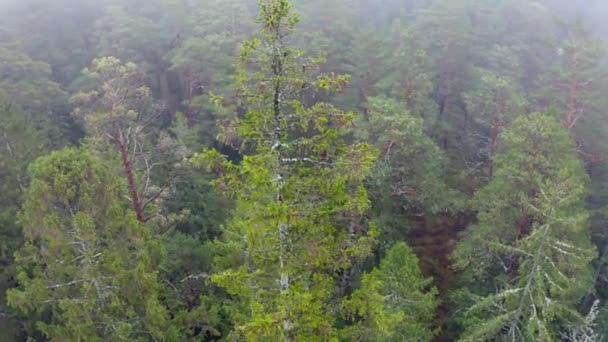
[(433, 240)]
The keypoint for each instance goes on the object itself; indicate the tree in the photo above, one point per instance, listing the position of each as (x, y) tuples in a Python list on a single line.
[(195, 305), (23, 137), (532, 241), (86, 270), (449, 46), (395, 301), (300, 206), (576, 74), (124, 32), (27, 83), (410, 80), (493, 103), (410, 176), (60, 33), (199, 77), (119, 109)]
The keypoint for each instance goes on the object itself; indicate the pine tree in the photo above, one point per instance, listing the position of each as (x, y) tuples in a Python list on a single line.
[(412, 166), (573, 81), (119, 114), (300, 207), (395, 301), (532, 242), (493, 103), (86, 270)]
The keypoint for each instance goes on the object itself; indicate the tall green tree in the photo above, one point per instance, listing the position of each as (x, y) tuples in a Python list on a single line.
[(493, 103), (576, 75), (532, 241), (300, 206), (116, 109), (87, 268), (410, 78)]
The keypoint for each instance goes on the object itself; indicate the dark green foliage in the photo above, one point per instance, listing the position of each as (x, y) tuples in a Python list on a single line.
[(532, 241), (410, 178), (86, 270), (23, 137)]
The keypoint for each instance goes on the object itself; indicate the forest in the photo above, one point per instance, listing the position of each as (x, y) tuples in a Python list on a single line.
[(303, 170)]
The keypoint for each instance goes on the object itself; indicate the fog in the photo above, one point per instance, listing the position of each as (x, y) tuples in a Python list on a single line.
[(340, 170)]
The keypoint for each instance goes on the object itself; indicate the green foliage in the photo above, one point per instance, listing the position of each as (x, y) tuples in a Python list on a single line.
[(195, 307), (27, 83), (533, 230), (124, 32), (87, 268), (296, 192), (395, 301), (410, 79), (409, 177), (23, 137), (117, 100), (493, 104), (442, 87), (412, 166), (60, 33), (367, 308)]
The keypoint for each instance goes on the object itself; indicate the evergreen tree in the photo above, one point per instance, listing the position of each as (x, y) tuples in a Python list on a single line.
[(118, 109), (87, 269), (300, 206), (26, 82), (532, 241), (410, 175), (573, 80), (410, 78), (492, 103), (394, 302)]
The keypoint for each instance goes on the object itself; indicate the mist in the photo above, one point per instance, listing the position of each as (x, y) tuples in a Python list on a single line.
[(292, 170)]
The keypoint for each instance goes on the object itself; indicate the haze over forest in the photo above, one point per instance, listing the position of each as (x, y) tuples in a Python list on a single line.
[(304, 170)]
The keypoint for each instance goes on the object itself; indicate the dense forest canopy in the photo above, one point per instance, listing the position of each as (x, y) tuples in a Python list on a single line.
[(304, 170)]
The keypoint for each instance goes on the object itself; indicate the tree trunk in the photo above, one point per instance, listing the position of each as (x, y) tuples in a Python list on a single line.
[(282, 227), (128, 168)]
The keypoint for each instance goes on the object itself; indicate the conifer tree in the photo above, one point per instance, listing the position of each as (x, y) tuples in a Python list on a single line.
[(87, 268), (118, 109), (532, 242), (300, 206), (395, 301)]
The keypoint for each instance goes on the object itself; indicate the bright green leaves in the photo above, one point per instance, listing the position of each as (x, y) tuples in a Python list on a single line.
[(395, 302), (298, 192), (275, 15), (332, 82), (367, 306)]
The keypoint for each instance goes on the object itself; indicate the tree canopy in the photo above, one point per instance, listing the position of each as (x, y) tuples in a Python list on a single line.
[(345, 170)]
